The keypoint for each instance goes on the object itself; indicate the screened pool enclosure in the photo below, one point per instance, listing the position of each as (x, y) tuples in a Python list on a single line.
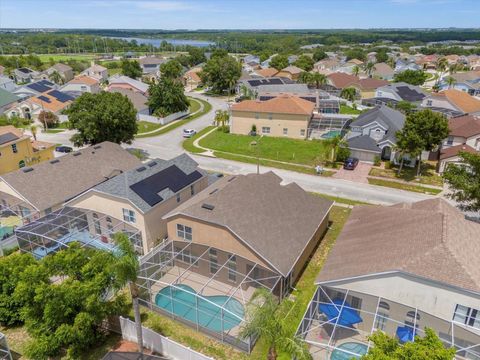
[(4, 350), (337, 323), (203, 287)]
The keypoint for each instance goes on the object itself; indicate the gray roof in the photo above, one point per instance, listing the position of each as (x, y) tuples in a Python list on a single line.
[(389, 118), (406, 92), (284, 88), (56, 181), (363, 142), (276, 221), (7, 97), (120, 186)]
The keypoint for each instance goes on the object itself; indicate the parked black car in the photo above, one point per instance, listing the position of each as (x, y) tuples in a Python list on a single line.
[(350, 164), (63, 149)]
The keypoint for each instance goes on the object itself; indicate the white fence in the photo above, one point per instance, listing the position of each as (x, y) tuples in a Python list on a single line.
[(164, 120), (160, 344)]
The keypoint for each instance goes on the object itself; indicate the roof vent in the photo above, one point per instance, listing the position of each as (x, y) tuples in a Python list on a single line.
[(231, 179), (213, 191), (28, 169), (97, 147), (54, 161), (208, 207), (152, 163), (77, 153), (142, 168)]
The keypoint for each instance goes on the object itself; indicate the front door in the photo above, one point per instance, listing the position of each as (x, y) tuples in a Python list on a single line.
[(386, 153)]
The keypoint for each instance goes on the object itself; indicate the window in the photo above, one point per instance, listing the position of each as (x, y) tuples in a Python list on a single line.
[(21, 164), (14, 148), (257, 116), (265, 130), (96, 223), (184, 232), (382, 316), (450, 140), (302, 132), (270, 116), (412, 318), (212, 254), (467, 316), (178, 198), (285, 131), (129, 215), (232, 268), (192, 190)]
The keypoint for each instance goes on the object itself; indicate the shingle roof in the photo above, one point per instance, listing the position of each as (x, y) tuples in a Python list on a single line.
[(138, 100), (464, 126), (430, 239), (83, 79), (61, 67), (276, 221), (454, 150), (461, 100), (7, 97), (391, 119), (54, 182), (363, 142), (120, 185), (122, 79), (383, 69), (292, 69), (283, 104), (342, 80), (268, 72)]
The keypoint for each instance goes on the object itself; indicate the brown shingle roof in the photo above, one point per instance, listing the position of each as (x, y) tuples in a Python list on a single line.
[(52, 105), (284, 104), (292, 70), (268, 72), (50, 184), (430, 239), (464, 126), (342, 80), (83, 79), (276, 221), (454, 150), (461, 100)]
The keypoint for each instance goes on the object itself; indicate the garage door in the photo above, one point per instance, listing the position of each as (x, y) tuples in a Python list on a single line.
[(363, 155)]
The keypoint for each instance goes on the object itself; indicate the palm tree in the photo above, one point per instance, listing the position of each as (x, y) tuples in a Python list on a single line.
[(334, 144), (56, 77), (451, 81), (349, 94), (222, 118), (126, 268), (369, 67), (268, 319), (305, 77), (318, 79), (33, 130), (441, 67), (356, 70)]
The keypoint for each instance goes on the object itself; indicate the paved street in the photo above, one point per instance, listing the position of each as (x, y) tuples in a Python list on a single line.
[(169, 145)]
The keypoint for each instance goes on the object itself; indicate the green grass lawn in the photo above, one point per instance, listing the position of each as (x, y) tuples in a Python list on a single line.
[(341, 200), (188, 143), (347, 110), (53, 131), (401, 186), (146, 126), (303, 152), (63, 57), (428, 174), (194, 105), (114, 71)]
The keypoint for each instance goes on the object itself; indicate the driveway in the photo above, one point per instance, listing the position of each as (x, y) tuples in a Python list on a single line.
[(358, 175)]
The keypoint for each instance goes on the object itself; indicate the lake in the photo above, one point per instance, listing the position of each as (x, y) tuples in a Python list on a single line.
[(157, 42)]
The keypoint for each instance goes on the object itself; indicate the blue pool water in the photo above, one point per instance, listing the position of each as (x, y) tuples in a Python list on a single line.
[(209, 315), (352, 347), (330, 134), (5, 231)]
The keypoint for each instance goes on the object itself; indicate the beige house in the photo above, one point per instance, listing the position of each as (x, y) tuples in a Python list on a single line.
[(191, 79), (143, 195), (285, 115), (291, 72), (258, 219), (454, 101)]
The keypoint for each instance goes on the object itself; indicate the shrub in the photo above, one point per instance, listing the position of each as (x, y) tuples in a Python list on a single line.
[(376, 160), (254, 128), (343, 153), (48, 119), (388, 165)]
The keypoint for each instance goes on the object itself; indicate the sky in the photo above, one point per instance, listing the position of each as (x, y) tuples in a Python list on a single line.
[(239, 14)]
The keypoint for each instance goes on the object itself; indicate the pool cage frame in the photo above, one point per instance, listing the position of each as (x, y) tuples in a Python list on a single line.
[(5, 353), (54, 231), (175, 263), (452, 334)]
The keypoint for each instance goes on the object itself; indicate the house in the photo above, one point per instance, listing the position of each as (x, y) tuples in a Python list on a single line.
[(7, 84), (395, 92), (354, 62), (53, 101), (65, 72), (285, 115), (143, 195), (290, 72), (464, 135), (398, 269), (81, 84), (70, 175), (383, 71), (7, 100), (34, 88), (266, 73), (125, 82), (96, 71), (191, 79), (373, 133), (25, 75), (151, 65), (139, 101), (251, 85), (365, 87), (453, 101), (468, 81), (327, 66), (18, 150), (428, 62), (402, 65)]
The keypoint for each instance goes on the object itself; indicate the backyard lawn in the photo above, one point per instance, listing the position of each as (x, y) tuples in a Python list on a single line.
[(347, 110), (428, 174), (302, 152)]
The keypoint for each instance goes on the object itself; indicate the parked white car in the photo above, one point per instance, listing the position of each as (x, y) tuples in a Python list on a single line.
[(187, 133)]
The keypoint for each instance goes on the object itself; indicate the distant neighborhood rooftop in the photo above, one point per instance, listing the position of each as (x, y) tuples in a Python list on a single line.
[(283, 104)]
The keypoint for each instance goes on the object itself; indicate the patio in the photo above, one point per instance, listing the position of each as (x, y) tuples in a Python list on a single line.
[(337, 324)]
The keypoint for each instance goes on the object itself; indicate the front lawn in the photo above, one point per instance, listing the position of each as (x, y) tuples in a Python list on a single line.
[(188, 143), (147, 126), (407, 187), (347, 110), (428, 174), (304, 152)]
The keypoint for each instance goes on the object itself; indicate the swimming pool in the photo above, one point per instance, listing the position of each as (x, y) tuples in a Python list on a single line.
[(352, 348), (331, 134), (209, 315), (6, 231)]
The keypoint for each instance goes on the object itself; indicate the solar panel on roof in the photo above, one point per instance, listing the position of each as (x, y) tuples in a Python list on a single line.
[(170, 178), (408, 94), (60, 96), (142, 168), (254, 82), (45, 82), (5, 138), (39, 87), (152, 163), (208, 207), (44, 98)]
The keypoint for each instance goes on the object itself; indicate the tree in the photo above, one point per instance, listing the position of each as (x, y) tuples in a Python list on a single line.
[(369, 68), (279, 62), (196, 55), (222, 117), (167, 97), (305, 77), (220, 72), (408, 142), (349, 94), (382, 56), (184, 60), (413, 77), (33, 130), (131, 68), (451, 81), (304, 62), (423, 348), (106, 116), (334, 144), (405, 106), (56, 77), (319, 54), (171, 69), (464, 181), (318, 80), (219, 53), (356, 54), (126, 270), (268, 320), (47, 119), (356, 70)]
